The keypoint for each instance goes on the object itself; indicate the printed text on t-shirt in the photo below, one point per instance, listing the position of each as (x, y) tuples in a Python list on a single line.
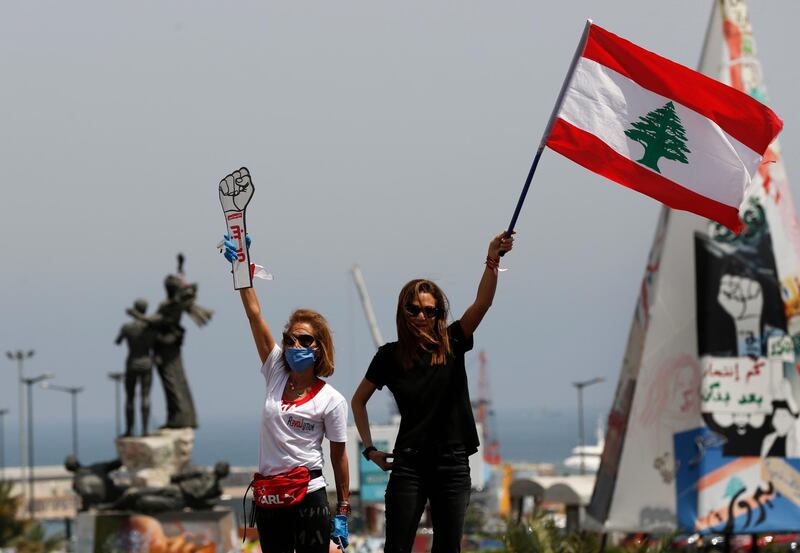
[(300, 424)]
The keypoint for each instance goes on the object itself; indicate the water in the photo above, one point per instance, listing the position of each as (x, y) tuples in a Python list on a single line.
[(544, 436), (529, 435)]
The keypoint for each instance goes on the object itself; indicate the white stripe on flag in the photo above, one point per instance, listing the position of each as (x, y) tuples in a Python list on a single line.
[(604, 103)]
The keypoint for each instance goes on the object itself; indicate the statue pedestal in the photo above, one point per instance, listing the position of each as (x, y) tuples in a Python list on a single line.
[(102, 532), (152, 460)]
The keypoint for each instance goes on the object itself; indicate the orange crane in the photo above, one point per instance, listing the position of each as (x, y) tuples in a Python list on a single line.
[(484, 414)]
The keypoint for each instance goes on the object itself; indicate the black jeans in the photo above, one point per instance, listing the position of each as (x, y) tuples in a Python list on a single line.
[(305, 528), (416, 478)]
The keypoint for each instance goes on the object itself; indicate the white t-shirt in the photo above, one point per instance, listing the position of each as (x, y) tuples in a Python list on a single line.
[(292, 431)]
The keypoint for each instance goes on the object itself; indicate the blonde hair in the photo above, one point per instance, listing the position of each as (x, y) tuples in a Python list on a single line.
[(323, 365), (414, 341)]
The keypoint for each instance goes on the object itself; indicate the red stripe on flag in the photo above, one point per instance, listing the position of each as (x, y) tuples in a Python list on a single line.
[(586, 149), (744, 118)]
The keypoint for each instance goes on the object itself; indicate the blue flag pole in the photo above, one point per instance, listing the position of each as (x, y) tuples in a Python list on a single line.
[(549, 128)]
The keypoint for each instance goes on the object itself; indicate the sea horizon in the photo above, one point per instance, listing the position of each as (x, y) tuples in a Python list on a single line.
[(536, 435)]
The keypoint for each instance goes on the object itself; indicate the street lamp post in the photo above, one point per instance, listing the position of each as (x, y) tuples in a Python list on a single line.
[(20, 357), (29, 382), (73, 391), (3, 413), (580, 386), (117, 378)]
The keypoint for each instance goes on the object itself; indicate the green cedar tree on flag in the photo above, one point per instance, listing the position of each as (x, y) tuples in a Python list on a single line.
[(661, 128)]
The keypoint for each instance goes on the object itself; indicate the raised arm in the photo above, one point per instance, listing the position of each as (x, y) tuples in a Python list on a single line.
[(258, 326), (252, 308), (473, 316)]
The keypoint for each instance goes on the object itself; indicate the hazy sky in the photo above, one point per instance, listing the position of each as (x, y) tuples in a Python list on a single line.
[(392, 134)]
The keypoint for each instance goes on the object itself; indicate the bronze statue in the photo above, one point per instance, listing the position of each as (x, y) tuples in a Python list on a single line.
[(167, 347), (200, 486), (138, 366), (93, 483), (196, 488)]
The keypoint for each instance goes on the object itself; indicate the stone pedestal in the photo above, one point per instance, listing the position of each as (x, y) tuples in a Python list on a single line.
[(152, 460)]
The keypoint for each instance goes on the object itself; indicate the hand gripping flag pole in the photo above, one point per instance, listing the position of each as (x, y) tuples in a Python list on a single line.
[(235, 192), (546, 135)]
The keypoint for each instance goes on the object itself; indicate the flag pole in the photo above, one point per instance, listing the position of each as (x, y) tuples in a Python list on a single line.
[(549, 128)]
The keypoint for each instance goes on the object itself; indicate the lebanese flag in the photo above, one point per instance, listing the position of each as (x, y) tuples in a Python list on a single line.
[(661, 128)]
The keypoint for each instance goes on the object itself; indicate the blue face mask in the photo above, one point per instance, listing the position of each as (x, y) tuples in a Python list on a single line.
[(299, 359)]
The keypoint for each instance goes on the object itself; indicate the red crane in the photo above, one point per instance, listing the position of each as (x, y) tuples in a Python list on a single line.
[(484, 414)]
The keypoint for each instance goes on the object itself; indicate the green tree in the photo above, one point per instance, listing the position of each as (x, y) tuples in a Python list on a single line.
[(539, 534), (662, 135), (26, 536), (10, 525), (474, 518)]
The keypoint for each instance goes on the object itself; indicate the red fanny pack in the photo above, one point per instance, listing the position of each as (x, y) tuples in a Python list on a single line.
[(281, 490)]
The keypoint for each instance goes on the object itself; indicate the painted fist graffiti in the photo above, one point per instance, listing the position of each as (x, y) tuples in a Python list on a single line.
[(740, 296), (235, 190)]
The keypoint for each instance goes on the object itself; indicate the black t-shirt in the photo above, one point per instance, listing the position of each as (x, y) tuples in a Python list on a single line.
[(435, 410)]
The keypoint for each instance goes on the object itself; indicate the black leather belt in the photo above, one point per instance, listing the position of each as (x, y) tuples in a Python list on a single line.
[(316, 473)]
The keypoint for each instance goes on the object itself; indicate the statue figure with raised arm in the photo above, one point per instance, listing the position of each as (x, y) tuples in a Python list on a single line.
[(167, 347)]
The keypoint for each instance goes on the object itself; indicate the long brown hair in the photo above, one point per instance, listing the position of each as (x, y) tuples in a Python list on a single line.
[(414, 341), (323, 365)]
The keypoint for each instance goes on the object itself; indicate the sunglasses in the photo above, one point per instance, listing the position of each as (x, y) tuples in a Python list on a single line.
[(305, 340), (415, 310)]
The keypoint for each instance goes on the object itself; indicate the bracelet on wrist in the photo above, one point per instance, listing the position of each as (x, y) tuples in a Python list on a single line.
[(492, 263), (343, 508), (367, 451)]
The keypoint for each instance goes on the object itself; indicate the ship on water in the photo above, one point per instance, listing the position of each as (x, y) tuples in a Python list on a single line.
[(586, 458)]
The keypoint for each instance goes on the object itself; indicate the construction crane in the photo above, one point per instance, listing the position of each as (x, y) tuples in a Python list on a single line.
[(361, 286), (377, 337), (485, 415)]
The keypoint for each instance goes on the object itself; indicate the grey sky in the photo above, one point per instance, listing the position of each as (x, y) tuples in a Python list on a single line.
[(392, 134)]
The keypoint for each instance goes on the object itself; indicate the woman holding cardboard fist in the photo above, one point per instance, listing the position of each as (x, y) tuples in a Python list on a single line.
[(291, 504)]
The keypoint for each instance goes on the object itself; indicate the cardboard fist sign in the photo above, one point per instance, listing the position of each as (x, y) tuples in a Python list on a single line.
[(235, 192)]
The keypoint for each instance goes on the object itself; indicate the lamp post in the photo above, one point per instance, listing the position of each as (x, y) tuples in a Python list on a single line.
[(117, 378), (29, 382), (20, 357), (3, 413), (73, 391), (580, 386)]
